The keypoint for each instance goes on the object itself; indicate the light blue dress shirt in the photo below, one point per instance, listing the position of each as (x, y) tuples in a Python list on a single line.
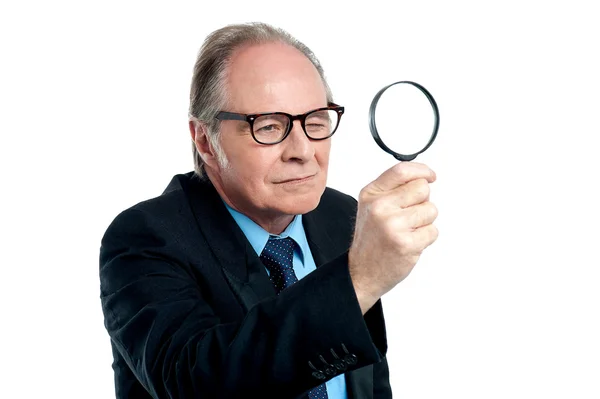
[(303, 264)]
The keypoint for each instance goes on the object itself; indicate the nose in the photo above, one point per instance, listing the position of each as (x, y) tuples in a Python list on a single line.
[(297, 146)]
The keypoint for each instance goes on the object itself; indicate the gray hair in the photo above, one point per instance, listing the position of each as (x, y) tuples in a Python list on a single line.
[(208, 94)]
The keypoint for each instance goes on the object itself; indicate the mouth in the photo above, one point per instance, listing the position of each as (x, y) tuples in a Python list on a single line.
[(296, 179)]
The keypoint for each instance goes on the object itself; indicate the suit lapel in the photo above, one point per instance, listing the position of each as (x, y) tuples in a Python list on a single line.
[(318, 240), (322, 246), (241, 266)]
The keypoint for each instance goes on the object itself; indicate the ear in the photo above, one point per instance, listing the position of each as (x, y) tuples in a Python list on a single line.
[(199, 134)]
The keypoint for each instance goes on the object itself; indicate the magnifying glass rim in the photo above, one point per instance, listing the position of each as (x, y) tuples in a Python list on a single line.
[(375, 133)]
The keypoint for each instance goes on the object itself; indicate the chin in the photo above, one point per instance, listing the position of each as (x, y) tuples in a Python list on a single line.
[(298, 205)]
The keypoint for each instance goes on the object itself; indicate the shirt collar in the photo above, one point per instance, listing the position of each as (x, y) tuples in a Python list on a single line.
[(258, 237)]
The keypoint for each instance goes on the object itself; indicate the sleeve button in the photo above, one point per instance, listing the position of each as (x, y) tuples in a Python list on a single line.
[(340, 365), (319, 375), (350, 359)]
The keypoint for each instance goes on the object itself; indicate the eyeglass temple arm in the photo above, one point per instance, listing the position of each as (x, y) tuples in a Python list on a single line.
[(231, 116)]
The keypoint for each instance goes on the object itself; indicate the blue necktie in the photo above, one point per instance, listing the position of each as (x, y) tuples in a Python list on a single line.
[(278, 257)]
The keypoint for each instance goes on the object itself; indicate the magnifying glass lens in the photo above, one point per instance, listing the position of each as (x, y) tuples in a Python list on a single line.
[(405, 119)]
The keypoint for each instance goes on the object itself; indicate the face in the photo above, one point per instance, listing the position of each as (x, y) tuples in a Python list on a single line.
[(271, 182)]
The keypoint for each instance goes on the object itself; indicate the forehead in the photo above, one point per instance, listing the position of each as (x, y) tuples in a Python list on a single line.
[(273, 77)]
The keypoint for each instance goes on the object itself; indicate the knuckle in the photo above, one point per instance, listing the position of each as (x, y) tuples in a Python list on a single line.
[(401, 171), (423, 188), (434, 233), (363, 194), (393, 228), (433, 211), (405, 244), (377, 208)]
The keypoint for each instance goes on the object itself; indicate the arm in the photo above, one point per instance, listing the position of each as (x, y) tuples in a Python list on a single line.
[(161, 323), (381, 380), (381, 372)]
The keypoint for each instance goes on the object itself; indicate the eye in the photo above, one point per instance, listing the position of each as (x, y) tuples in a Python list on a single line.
[(320, 124), (316, 125), (269, 128), (318, 121), (270, 124)]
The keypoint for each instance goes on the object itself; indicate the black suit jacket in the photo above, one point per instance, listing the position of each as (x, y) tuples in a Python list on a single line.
[(191, 312)]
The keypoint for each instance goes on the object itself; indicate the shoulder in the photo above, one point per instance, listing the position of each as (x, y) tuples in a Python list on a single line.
[(166, 214), (335, 214), (336, 201), (169, 202)]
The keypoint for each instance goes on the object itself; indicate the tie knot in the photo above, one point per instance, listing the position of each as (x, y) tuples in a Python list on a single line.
[(279, 252)]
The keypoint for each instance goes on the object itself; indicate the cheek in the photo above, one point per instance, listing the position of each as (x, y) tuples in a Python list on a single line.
[(254, 164), (322, 155)]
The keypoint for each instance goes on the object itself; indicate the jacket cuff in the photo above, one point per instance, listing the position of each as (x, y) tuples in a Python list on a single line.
[(350, 340)]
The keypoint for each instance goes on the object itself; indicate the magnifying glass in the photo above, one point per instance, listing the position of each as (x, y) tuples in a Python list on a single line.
[(404, 117)]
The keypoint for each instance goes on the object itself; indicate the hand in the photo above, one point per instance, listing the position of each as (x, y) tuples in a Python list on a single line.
[(393, 227)]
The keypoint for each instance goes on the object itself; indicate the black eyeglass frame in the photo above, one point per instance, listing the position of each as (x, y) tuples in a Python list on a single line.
[(250, 118)]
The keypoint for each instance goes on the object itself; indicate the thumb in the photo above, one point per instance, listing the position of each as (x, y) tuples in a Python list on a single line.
[(400, 174)]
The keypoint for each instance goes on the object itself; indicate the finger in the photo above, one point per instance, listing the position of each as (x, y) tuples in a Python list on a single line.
[(424, 236), (402, 173), (412, 193), (420, 215)]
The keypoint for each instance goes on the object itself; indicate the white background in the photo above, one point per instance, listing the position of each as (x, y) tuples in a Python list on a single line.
[(93, 107)]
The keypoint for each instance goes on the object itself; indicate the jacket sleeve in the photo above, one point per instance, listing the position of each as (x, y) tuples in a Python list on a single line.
[(160, 321), (381, 380)]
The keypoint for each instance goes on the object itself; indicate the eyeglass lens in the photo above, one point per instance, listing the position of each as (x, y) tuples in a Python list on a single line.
[(272, 128)]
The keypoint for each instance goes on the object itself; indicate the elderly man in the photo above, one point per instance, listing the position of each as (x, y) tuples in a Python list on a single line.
[(249, 277)]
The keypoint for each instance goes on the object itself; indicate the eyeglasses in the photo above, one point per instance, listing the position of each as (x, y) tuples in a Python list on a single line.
[(274, 127)]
